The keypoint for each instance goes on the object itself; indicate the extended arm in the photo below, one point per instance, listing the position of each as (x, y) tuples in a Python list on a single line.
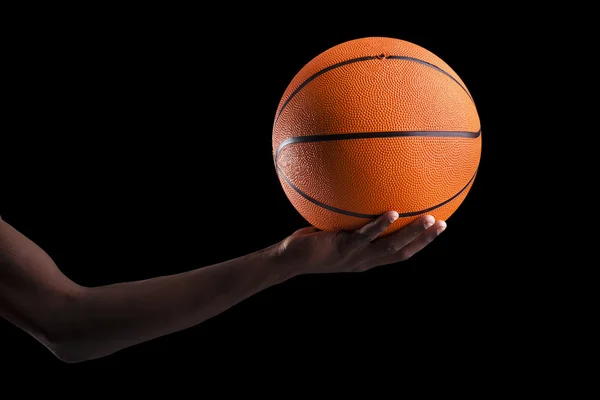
[(80, 323)]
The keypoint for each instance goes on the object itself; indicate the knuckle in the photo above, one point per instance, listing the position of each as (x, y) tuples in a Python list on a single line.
[(418, 230), (393, 248)]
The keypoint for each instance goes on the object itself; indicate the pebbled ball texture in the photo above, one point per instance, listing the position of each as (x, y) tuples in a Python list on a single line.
[(371, 125)]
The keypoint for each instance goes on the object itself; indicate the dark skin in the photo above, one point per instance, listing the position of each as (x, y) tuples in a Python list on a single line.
[(78, 323)]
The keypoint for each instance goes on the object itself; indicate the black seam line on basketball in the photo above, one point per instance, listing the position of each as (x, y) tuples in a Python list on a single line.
[(372, 135), (321, 72), (434, 67), (372, 216)]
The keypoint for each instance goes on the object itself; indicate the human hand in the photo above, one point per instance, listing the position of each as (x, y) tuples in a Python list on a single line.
[(309, 250)]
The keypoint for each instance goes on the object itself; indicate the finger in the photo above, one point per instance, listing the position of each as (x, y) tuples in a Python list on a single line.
[(370, 231), (305, 231), (416, 245), (396, 241)]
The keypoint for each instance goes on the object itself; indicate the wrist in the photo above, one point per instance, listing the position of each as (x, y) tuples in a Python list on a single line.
[(281, 266)]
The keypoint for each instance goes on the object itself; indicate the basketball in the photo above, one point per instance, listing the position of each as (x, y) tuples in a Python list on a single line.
[(371, 125)]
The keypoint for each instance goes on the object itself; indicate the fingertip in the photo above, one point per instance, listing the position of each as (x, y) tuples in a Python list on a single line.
[(441, 227), (428, 220), (393, 216)]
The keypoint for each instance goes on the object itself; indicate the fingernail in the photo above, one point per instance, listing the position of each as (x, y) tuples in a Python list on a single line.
[(429, 220), (395, 216), (441, 228)]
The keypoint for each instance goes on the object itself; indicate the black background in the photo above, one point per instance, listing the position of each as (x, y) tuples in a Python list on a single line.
[(140, 145)]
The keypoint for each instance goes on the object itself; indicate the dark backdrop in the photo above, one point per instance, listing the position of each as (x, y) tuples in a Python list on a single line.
[(142, 147)]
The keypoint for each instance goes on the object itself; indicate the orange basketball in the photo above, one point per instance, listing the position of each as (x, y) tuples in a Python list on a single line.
[(371, 125)]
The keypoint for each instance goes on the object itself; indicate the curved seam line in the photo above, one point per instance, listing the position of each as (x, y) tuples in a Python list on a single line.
[(366, 58), (314, 76), (371, 135), (372, 216)]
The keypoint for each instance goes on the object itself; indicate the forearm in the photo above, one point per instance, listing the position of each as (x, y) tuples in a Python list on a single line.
[(109, 318), (79, 323)]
